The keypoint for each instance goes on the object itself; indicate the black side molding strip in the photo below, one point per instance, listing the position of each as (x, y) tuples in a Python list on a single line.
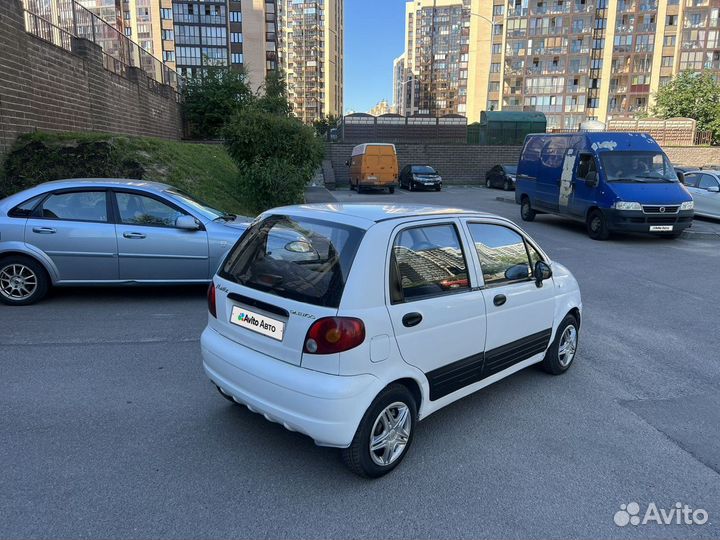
[(447, 379)]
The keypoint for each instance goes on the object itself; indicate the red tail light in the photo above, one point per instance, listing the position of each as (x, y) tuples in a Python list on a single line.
[(333, 335), (211, 300)]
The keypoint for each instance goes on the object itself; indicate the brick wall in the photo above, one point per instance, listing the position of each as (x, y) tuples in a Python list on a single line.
[(44, 87), (467, 164), (458, 164)]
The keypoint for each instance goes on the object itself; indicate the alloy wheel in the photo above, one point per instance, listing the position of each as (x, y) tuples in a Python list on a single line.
[(17, 282), (568, 345), (390, 433)]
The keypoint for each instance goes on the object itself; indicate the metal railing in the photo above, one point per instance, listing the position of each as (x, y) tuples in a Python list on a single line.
[(61, 20)]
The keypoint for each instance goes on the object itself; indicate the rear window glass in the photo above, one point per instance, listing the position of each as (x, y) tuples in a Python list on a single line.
[(297, 258)]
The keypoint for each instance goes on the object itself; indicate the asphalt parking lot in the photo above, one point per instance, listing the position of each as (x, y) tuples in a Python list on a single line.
[(110, 428)]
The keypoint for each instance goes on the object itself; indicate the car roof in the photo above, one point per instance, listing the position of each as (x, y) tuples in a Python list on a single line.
[(105, 182), (375, 213)]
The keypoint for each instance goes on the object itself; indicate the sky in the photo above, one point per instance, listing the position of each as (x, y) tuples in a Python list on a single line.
[(374, 37)]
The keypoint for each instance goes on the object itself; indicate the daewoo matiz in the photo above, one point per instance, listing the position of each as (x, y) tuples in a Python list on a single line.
[(350, 323)]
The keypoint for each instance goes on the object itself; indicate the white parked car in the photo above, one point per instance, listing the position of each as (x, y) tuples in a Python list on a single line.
[(704, 186), (350, 323)]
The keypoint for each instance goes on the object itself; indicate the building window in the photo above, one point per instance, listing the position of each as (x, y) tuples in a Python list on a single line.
[(667, 61), (168, 35), (236, 58), (671, 20), (128, 32), (188, 56), (168, 56), (236, 16), (214, 35), (236, 37), (495, 67), (165, 13), (669, 41)]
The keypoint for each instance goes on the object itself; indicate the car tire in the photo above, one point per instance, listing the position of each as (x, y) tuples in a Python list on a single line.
[(526, 211), (391, 190), (410, 185), (223, 394), (23, 281), (506, 185), (352, 186), (597, 226), (359, 188), (561, 353), (488, 184), (395, 404)]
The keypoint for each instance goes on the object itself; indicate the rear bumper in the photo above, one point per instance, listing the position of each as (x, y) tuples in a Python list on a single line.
[(377, 185), (638, 221), (327, 408)]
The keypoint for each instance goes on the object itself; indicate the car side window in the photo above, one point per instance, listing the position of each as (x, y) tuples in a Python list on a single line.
[(503, 253), (26, 208), (429, 261), (691, 180), (136, 209), (75, 206), (707, 181)]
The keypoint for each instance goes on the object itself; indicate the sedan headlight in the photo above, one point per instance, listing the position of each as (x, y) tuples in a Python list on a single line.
[(687, 205), (624, 205)]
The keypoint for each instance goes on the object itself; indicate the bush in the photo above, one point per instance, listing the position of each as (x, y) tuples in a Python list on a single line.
[(276, 155), (271, 182), (37, 158)]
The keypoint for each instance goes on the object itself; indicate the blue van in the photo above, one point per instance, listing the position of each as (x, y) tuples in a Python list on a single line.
[(610, 181)]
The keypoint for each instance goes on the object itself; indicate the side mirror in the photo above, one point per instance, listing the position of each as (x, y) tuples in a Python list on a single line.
[(187, 223), (347, 163), (519, 271), (680, 176), (714, 189), (591, 179), (542, 272)]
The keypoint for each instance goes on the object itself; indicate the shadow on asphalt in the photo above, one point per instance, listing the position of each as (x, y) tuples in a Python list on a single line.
[(124, 294)]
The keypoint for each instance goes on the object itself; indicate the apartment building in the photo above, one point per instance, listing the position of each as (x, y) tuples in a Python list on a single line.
[(398, 101), (380, 108), (311, 56), (437, 51), (574, 60)]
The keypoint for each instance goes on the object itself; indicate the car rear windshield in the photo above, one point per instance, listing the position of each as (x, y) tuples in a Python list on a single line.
[(299, 258), (423, 169)]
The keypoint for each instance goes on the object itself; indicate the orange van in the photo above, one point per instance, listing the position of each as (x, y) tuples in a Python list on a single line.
[(374, 165)]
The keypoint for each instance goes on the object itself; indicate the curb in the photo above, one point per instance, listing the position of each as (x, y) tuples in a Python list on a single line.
[(505, 200)]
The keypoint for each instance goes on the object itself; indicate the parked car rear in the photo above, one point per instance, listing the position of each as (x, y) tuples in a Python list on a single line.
[(373, 166)]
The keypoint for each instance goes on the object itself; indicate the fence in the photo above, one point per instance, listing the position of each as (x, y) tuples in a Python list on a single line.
[(58, 21), (393, 128)]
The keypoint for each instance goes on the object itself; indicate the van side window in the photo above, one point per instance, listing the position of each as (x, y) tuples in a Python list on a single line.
[(429, 262), (502, 253), (586, 165)]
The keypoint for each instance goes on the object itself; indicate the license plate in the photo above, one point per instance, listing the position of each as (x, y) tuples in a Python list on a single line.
[(261, 324), (661, 228)]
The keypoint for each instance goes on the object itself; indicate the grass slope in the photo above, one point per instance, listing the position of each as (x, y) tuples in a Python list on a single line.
[(204, 170)]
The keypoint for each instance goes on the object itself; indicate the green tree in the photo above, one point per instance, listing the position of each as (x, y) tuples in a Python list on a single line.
[(691, 95), (273, 95), (211, 98), (325, 124)]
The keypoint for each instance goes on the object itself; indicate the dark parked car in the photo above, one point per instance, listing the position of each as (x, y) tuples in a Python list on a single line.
[(682, 170), (502, 176), (415, 177)]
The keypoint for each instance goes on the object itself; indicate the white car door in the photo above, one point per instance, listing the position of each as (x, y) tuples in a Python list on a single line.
[(707, 196), (437, 312), (519, 313)]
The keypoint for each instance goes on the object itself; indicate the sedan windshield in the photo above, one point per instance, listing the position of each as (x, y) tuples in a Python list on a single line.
[(637, 167), (423, 169), (201, 207), (510, 169)]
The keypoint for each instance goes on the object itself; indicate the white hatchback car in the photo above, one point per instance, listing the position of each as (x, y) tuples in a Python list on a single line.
[(350, 323)]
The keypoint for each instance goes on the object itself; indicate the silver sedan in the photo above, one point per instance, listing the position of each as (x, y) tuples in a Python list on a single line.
[(704, 186), (99, 231)]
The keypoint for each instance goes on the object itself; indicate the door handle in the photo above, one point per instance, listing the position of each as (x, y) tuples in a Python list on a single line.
[(134, 235), (44, 230), (411, 319), (500, 299)]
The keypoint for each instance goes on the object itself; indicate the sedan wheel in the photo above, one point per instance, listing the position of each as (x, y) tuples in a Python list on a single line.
[(561, 353), (22, 281)]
